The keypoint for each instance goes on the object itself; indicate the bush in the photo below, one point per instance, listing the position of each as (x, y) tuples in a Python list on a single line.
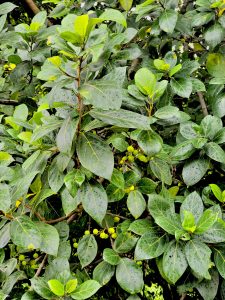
[(112, 150)]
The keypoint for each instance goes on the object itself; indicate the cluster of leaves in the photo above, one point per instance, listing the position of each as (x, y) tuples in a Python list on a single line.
[(112, 153)]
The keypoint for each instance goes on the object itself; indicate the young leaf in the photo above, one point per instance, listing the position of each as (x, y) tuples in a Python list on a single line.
[(146, 82), (56, 287), (188, 222), (70, 286), (217, 192), (192, 203)]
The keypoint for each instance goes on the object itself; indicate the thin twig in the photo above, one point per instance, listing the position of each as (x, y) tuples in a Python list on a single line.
[(203, 104), (115, 215), (183, 296), (9, 102), (41, 266)]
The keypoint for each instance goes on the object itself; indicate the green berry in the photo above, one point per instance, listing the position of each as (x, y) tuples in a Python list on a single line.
[(116, 219), (35, 255), (139, 263), (124, 158), (32, 262), (21, 257), (135, 152), (131, 188), (75, 245), (130, 158), (106, 235), (87, 232), (34, 266), (95, 231), (114, 236), (30, 247), (24, 263), (130, 149), (111, 230)]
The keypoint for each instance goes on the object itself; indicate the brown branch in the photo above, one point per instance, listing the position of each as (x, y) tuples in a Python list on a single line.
[(115, 215), (41, 266), (9, 102), (32, 5), (203, 104), (183, 296), (184, 6)]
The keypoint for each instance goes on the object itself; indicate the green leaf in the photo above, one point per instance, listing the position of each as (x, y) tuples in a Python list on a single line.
[(145, 80), (80, 25), (188, 222), (215, 234), (218, 107), (4, 235), (192, 203), (146, 186), (215, 65), (114, 15), (182, 151), (198, 257), (126, 4), (40, 286), (150, 142), (161, 170), (70, 286), (86, 290), (56, 287), (69, 203), (124, 242), (111, 257), (174, 261), (214, 35), (217, 192), (117, 179), (169, 223), (208, 289), (202, 18), (25, 232), (94, 154), (5, 158), (103, 272), (194, 170), (55, 177), (141, 226), (94, 200), (215, 152), (181, 87), (136, 204), (219, 259), (159, 207), (50, 238), (5, 199), (6, 7), (168, 20), (123, 118), (210, 126), (65, 136), (150, 245), (87, 250), (206, 221), (129, 276), (175, 69)]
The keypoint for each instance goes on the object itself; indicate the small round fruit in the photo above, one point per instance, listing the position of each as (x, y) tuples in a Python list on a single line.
[(131, 188), (21, 257), (135, 152), (87, 232), (75, 245), (30, 247), (114, 236), (130, 158), (102, 235), (130, 149), (95, 231), (111, 230), (35, 255), (139, 263), (116, 219), (106, 235), (24, 263), (34, 266), (124, 158)]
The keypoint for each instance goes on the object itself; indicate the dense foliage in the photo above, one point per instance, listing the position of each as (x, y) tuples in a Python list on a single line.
[(112, 156)]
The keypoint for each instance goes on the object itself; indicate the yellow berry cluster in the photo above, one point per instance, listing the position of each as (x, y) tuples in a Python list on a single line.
[(25, 261), (9, 67), (133, 154), (130, 189), (103, 235)]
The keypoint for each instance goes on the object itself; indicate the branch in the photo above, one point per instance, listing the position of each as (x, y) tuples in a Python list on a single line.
[(32, 5), (183, 296), (41, 266), (203, 104), (184, 6), (9, 102)]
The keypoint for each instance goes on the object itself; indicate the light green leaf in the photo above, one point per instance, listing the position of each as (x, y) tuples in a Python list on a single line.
[(56, 287), (6, 7), (188, 221), (192, 203), (145, 80), (206, 221), (168, 20), (5, 199), (94, 154), (80, 25), (215, 65), (217, 192), (70, 286), (117, 179), (86, 290), (126, 4), (129, 276)]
